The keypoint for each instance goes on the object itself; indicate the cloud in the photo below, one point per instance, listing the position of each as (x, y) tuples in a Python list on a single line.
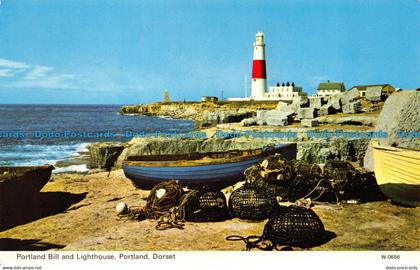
[(6, 73), (12, 64), (17, 75), (23, 75), (37, 72), (60, 81)]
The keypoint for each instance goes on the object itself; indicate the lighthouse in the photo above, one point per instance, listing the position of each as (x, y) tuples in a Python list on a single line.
[(259, 74)]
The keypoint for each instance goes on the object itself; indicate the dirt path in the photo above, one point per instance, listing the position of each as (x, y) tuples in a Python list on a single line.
[(78, 213)]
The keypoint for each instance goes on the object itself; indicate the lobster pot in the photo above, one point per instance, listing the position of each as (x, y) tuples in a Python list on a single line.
[(295, 226), (252, 202), (206, 206), (307, 170), (276, 169), (339, 171), (313, 188), (363, 186)]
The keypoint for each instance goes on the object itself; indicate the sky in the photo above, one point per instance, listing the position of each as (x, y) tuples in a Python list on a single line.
[(130, 51)]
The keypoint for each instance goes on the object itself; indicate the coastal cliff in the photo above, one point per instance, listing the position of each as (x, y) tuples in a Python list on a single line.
[(199, 111)]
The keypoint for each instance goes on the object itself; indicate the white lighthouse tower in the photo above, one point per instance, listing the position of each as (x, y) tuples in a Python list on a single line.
[(259, 74)]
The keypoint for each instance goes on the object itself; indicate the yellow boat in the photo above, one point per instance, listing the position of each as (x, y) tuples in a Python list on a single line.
[(397, 172)]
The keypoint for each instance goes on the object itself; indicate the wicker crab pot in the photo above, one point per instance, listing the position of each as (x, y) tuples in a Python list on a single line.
[(295, 226), (252, 202), (291, 226), (206, 205)]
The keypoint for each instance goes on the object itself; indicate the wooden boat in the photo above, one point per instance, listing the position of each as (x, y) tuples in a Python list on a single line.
[(18, 182), (397, 172), (215, 168)]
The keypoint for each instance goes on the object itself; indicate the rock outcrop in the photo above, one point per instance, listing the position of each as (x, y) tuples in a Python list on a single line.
[(374, 94), (197, 110), (103, 155), (334, 149), (309, 122), (349, 96), (400, 118), (352, 107), (316, 102), (213, 118), (307, 113)]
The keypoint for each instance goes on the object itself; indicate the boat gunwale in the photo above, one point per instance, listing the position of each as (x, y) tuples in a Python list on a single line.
[(194, 163), (376, 145), (21, 169), (201, 159)]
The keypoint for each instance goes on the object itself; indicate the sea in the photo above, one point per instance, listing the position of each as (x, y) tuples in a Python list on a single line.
[(48, 134)]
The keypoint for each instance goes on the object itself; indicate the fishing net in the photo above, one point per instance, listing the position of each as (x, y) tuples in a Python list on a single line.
[(161, 199), (291, 226), (205, 205), (252, 202)]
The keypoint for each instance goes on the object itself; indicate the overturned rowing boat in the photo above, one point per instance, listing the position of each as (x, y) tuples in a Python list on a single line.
[(19, 182), (213, 168), (397, 172)]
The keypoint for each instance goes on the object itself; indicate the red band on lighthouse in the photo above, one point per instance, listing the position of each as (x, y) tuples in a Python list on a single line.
[(258, 69)]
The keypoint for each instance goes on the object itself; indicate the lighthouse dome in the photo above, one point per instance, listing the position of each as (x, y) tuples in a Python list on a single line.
[(259, 39)]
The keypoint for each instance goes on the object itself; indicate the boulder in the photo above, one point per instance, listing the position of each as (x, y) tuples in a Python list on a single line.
[(374, 94), (315, 102), (309, 122), (352, 107), (276, 117), (300, 101), (349, 96), (286, 108), (274, 114), (249, 122), (400, 119), (223, 117), (282, 106), (103, 155), (307, 113), (326, 110), (261, 122), (335, 102), (357, 120), (278, 121)]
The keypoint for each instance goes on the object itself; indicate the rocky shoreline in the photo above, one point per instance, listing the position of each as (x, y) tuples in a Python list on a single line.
[(72, 210), (321, 134)]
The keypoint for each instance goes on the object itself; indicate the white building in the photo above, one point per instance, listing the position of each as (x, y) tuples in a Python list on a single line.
[(330, 88), (283, 92)]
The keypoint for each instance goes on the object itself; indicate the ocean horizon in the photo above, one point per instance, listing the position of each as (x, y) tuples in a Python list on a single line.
[(37, 134)]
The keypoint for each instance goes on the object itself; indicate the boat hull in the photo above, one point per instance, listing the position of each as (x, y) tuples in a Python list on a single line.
[(216, 174), (397, 172), (20, 182)]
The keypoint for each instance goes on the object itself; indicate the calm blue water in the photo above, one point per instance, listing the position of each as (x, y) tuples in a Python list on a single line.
[(52, 121)]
